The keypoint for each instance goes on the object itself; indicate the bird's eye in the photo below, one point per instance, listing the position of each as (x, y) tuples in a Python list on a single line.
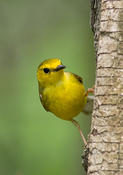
[(46, 70)]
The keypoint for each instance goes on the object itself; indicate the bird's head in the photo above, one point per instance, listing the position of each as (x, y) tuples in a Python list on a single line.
[(50, 72)]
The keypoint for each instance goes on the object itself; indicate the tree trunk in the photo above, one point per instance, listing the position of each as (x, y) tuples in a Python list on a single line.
[(106, 137)]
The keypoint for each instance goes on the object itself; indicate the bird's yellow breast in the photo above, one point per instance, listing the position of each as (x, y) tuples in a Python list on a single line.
[(65, 99)]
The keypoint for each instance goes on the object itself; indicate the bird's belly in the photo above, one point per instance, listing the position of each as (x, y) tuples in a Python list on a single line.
[(66, 103)]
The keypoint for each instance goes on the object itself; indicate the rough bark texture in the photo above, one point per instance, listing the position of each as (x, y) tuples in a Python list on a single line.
[(106, 137)]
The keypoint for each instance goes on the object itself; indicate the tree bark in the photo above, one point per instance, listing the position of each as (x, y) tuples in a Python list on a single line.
[(106, 137)]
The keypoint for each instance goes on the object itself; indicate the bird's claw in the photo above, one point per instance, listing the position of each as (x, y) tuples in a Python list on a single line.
[(90, 90)]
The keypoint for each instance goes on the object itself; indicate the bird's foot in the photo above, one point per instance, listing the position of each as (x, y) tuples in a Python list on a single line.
[(90, 90), (80, 131)]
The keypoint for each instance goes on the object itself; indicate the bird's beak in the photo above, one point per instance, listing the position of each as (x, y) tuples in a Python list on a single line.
[(60, 67)]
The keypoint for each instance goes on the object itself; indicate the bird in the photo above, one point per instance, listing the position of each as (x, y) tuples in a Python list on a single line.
[(63, 93)]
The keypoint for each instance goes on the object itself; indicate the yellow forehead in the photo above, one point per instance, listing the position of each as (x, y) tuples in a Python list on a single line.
[(50, 63)]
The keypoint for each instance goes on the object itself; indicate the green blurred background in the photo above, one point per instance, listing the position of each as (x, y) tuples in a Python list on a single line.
[(33, 141)]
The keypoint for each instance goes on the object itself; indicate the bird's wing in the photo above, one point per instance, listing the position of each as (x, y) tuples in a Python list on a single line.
[(43, 101), (45, 105), (78, 78)]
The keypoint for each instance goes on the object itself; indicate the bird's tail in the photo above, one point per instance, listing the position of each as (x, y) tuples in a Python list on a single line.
[(88, 108)]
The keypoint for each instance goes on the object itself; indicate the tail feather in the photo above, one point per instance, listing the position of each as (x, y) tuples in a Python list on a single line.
[(88, 108)]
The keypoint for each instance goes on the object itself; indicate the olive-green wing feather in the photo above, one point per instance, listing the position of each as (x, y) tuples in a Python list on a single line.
[(78, 78), (43, 101)]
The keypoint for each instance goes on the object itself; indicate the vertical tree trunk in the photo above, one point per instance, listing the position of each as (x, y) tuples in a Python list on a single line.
[(106, 137)]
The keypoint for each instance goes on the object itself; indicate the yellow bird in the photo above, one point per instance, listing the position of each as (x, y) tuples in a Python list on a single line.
[(62, 93)]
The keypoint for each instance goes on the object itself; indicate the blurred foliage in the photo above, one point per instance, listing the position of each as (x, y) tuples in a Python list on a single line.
[(32, 141)]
